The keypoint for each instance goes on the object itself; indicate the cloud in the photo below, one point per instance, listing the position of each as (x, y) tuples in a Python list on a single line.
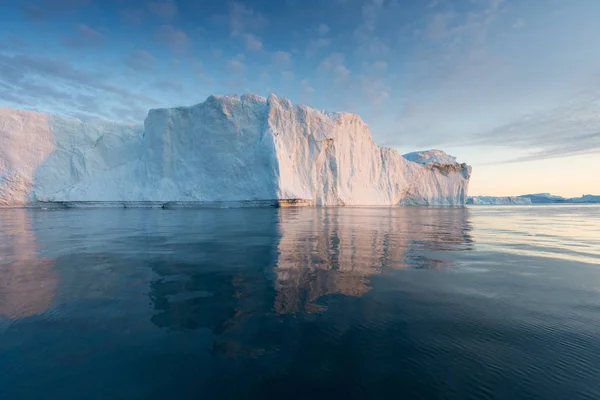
[(41, 10), (281, 58), (438, 27), (166, 9), (561, 131), (519, 23), (375, 89), (176, 39), (434, 3), (84, 37), (198, 69), (131, 113), (370, 13), (140, 60), (236, 66), (334, 64), (375, 67), (14, 43), (133, 16), (64, 5), (471, 27), (369, 44), (372, 47), (316, 45), (323, 30), (33, 11), (251, 41), (243, 19), (42, 80), (169, 85), (287, 75), (306, 86)]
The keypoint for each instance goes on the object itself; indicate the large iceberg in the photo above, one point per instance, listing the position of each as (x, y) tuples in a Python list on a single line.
[(228, 149)]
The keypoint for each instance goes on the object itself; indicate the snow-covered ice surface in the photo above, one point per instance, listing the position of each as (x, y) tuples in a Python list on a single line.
[(228, 149), (431, 157), (492, 200)]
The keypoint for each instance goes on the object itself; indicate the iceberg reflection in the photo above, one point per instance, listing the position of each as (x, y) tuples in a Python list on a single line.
[(27, 280), (336, 250)]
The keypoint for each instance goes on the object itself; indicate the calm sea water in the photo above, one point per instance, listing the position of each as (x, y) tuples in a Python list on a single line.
[(475, 303)]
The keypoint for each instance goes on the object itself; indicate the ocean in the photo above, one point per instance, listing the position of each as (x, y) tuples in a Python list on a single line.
[(483, 302)]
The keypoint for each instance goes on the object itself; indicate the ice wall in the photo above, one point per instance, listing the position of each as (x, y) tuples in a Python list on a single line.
[(45, 157), (226, 149)]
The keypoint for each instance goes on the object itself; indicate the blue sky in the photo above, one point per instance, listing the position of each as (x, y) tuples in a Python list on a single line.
[(509, 86)]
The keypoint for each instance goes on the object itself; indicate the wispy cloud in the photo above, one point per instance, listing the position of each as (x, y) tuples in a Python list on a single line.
[(175, 38), (335, 65), (133, 16), (165, 9), (169, 85), (243, 19), (252, 42), (562, 131), (243, 22), (84, 36), (369, 43), (41, 10), (33, 11), (281, 58), (323, 30), (57, 82), (375, 89), (140, 60), (236, 66), (317, 45), (376, 67), (14, 43), (370, 12)]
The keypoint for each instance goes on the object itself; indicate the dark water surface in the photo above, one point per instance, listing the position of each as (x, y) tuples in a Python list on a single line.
[(475, 303)]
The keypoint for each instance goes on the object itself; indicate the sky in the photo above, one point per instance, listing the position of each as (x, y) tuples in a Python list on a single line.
[(512, 87)]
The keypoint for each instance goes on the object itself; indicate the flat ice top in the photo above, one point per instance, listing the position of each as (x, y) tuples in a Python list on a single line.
[(431, 157)]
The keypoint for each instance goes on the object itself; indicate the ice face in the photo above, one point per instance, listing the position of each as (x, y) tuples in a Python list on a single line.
[(50, 158), (226, 149)]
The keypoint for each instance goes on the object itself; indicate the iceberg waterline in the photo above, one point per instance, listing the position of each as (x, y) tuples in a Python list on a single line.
[(227, 150)]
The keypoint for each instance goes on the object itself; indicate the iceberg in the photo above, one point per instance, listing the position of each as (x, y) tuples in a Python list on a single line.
[(227, 150), (542, 198), (539, 198), (492, 200), (586, 198)]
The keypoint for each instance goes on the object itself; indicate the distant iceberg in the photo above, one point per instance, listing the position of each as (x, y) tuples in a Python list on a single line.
[(539, 198), (227, 150), (491, 200)]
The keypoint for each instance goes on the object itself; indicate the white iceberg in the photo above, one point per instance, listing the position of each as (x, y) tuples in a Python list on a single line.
[(493, 200), (227, 149)]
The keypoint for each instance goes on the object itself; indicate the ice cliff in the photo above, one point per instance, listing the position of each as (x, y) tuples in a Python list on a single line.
[(226, 149)]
